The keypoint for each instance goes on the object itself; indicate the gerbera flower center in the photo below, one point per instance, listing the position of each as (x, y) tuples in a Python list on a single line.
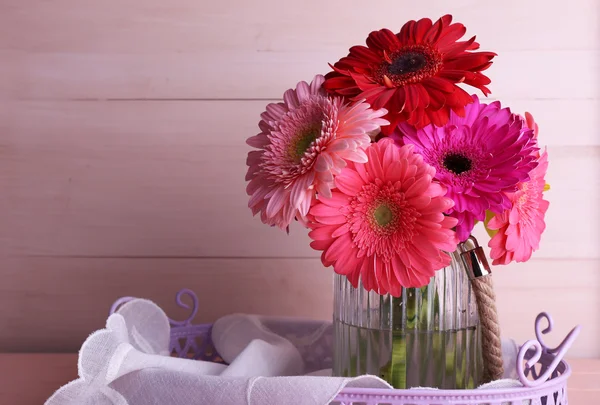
[(381, 219), (298, 138), (407, 62), (303, 141), (457, 163), (383, 215), (411, 64)]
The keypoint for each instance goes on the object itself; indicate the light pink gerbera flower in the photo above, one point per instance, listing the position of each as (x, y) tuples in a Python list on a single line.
[(479, 157), (303, 143), (384, 224), (519, 229)]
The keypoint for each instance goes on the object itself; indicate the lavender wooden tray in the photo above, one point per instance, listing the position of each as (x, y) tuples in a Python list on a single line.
[(541, 369)]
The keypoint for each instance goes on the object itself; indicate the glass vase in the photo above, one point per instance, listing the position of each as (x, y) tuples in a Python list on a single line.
[(427, 337)]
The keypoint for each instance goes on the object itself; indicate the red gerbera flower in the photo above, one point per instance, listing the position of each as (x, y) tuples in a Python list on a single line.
[(413, 74)]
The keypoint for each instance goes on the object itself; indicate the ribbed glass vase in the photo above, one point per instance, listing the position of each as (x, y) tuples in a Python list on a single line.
[(428, 337)]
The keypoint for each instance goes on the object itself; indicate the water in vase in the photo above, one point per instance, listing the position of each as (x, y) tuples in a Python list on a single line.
[(427, 336), (442, 359)]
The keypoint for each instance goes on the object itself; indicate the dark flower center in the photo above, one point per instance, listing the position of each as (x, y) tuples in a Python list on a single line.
[(457, 163), (407, 62), (410, 64)]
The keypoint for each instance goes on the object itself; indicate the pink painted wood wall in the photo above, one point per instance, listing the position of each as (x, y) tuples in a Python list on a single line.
[(122, 154)]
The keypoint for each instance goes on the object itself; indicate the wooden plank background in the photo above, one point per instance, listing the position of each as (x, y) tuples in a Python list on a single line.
[(122, 155)]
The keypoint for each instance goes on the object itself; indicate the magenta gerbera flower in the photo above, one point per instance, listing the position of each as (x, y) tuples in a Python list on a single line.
[(303, 143), (384, 223), (479, 158)]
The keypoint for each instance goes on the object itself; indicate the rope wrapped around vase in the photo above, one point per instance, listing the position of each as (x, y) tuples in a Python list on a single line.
[(480, 274)]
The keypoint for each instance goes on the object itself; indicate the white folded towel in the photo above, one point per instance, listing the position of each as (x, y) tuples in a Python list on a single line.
[(128, 363)]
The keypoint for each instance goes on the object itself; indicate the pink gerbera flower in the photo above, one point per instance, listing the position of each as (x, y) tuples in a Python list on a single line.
[(479, 158), (531, 124), (519, 229), (384, 224), (303, 143)]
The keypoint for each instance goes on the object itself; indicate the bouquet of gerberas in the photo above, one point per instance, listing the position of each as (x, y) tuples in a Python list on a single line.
[(390, 163)]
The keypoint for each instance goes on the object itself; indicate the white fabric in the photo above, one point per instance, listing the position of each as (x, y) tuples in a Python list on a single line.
[(277, 356), (128, 363)]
